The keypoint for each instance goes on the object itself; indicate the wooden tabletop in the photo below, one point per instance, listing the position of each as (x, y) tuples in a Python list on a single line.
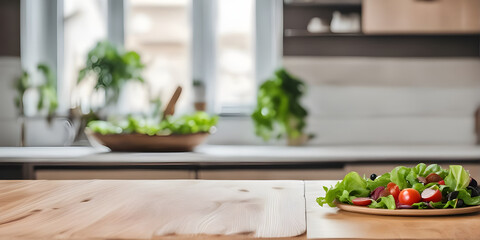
[(196, 209), (181, 209)]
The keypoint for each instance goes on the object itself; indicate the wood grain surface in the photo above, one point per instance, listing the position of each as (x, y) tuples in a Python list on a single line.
[(331, 223), (448, 16), (193, 209), (181, 209)]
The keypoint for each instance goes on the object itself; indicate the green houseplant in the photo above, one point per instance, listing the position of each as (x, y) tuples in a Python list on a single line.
[(47, 91), (278, 112), (113, 67), (47, 99)]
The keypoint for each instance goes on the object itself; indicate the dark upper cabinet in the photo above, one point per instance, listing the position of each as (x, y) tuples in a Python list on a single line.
[(389, 28)]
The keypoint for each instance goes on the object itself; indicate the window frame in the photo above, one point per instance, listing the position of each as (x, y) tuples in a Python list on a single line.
[(267, 37)]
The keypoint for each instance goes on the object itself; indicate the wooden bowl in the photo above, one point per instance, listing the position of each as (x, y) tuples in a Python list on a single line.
[(135, 142)]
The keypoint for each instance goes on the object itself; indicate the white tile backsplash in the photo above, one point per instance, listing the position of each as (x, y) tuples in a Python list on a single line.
[(365, 71), (10, 133), (392, 131), (371, 101), (361, 100)]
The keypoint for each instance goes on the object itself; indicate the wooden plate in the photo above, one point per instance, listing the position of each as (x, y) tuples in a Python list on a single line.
[(408, 212), (143, 143)]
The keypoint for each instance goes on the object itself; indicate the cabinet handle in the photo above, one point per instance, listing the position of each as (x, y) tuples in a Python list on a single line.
[(430, 1)]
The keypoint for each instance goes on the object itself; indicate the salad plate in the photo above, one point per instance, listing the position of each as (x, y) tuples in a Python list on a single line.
[(408, 212), (423, 190)]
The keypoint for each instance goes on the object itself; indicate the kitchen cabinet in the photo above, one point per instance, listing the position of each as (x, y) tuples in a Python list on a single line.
[(421, 16), (272, 174), (78, 174), (390, 28), (228, 162)]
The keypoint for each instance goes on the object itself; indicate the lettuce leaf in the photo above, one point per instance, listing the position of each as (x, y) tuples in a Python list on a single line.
[(354, 183), (467, 198), (457, 178), (420, 187), (422, 170), (382, 180), (331, 195), (384, 202), (451, 203), (399, 176), (420, 205), (351, 187), (435, 168)]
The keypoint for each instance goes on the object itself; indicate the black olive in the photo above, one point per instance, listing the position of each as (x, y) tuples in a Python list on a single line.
[(459, 203), (452, 195), (473, 182), (475, 191), (373, 176)]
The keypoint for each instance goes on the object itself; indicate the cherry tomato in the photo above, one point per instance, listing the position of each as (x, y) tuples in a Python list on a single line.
[(409, 196), (362, 201), (431, 195), (442, 182), (394, 190)]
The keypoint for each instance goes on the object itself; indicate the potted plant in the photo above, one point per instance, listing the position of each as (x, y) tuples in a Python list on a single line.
[(37, 101), (199, 95), (112, 67), (48, 92), (22, 84), (278, 112)]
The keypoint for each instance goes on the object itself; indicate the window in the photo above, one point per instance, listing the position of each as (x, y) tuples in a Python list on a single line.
[(170, 35), (84, 25), (159, 30), (235, 89)]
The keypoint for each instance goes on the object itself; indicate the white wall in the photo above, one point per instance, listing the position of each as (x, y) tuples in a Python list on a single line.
[(10, 69), (355, 100), (379, 101)]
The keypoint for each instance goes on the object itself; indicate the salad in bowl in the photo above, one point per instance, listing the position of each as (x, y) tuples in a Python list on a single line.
[(419, 187)]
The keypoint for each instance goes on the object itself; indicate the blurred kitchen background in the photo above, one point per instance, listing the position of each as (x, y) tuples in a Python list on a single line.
[(376, 72)]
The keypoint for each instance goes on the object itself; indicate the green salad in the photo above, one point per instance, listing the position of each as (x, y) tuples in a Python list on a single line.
[(420, 187), (187, 124)]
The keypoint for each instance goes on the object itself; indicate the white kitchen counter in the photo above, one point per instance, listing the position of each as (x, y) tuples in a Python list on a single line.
[(246, 154)]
